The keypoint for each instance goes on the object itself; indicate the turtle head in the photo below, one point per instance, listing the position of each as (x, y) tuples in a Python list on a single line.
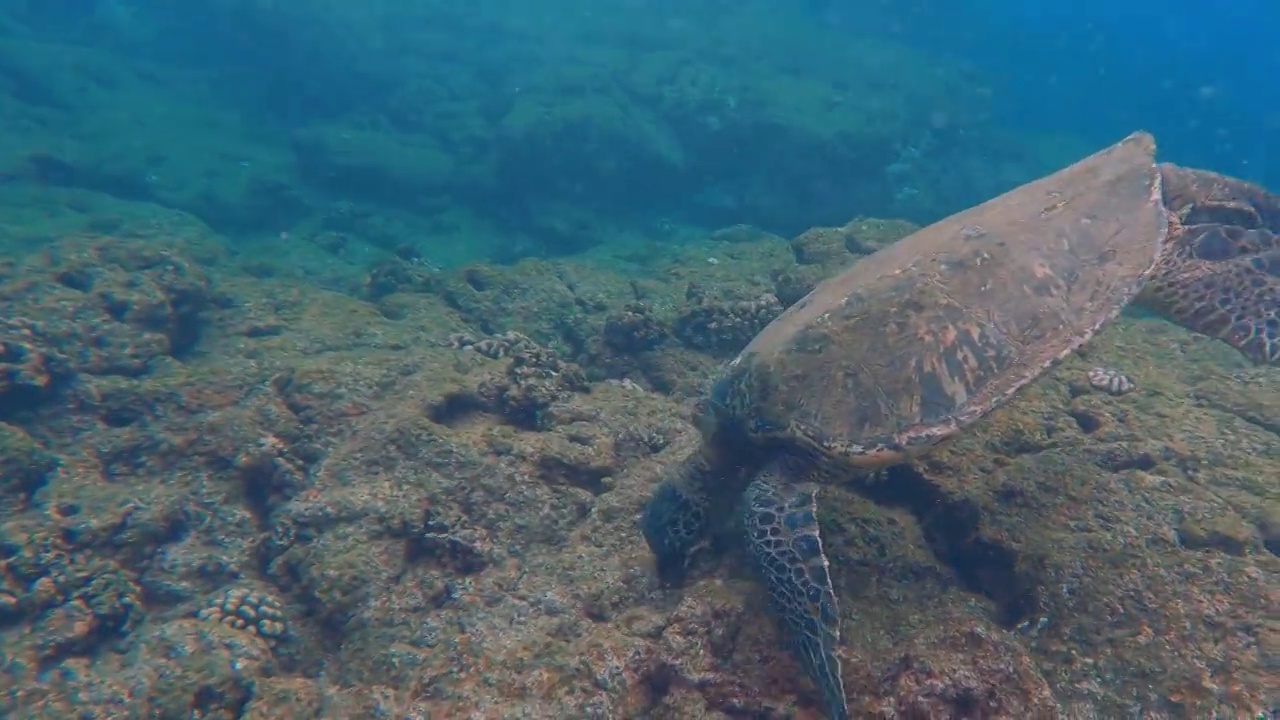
[(733, 410), (718, 411), (704, 417), (709, 413)]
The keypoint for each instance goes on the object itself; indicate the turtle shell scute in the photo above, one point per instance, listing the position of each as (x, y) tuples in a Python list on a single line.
[(913, 343)]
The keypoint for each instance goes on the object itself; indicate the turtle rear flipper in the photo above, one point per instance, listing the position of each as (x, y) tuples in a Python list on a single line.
[(1224, 242), (1204, 197), (1236, 301), (782, 533)]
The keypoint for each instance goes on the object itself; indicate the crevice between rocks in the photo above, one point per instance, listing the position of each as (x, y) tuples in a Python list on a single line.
[(953, 529)]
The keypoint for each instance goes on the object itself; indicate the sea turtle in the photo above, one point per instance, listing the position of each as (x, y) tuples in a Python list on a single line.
[(919, 340)]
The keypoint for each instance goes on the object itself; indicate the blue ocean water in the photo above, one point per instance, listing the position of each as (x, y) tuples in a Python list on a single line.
[(1199, 76), (552, 124)]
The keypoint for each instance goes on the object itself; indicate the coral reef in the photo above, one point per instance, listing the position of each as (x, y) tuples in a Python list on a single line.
[(243, 609), (239, 496), (726, 327), (535, 379), (1110, 381)]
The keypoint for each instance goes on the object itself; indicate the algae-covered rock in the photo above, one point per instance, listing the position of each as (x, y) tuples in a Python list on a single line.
[(25, 467), (327, 509), (1229, 534), (1269, 527)]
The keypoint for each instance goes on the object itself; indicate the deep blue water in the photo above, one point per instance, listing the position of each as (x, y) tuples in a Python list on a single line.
[(1202, 76)]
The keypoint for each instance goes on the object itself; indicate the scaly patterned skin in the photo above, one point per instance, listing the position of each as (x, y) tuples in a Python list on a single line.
[(782, 532), (1221, 276), (781, 523), (1236, 301), (675, 520)]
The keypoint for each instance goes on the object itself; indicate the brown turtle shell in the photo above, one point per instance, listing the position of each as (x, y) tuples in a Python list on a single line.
[(922, 338)]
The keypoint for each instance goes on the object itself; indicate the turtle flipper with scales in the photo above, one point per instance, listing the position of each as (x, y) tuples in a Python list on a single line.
[(1221, 274), (917, 341)]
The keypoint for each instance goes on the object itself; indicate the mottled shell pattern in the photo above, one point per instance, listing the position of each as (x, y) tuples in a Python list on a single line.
[(917, 341)]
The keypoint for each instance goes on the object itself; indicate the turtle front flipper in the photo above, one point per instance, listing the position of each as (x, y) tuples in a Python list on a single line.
[(782, 532), (1236, 301), (675, 520)]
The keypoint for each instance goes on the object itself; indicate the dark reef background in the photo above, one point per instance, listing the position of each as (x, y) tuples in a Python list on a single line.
[(502, 129)]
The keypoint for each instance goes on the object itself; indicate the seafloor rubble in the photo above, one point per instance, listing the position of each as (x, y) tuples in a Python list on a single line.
[(230, 493)]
